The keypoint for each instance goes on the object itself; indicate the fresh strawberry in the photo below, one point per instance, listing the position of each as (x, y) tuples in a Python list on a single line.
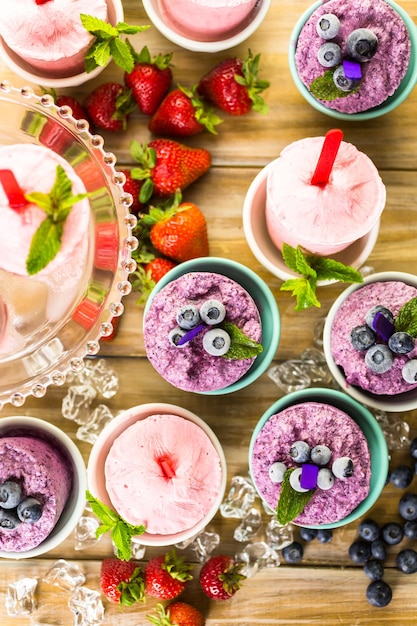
[(220, 577), (178, 230), (167, 575), (133, 187), (166, 166), (109, 106), (177, 614), (150, 79), (158, 267), (233, 86), (122, 582), (183, 113), (149, 271)]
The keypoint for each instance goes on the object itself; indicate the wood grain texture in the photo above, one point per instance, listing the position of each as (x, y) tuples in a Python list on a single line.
[(325, 589)]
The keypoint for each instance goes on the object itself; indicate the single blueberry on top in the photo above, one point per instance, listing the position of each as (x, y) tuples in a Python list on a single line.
[(320, 454), (300, 451), (329, 54), (216, 342), (360, 551), (373, 569), (29, 510), (362, 337), (392, 533), (401, 343), (328, 26), (379, 358), (212, 312), (10, 494), (342, 82), (188, 316), (361, 44), (379, 593), (369, 529), (407, 506), (401, 476), (406, 561), (9, 519)]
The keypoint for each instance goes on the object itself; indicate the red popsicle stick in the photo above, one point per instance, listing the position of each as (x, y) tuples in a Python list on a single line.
[(14, 194), (327, 156)]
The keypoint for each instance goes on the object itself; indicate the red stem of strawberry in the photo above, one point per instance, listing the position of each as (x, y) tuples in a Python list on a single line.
[(14, 194)]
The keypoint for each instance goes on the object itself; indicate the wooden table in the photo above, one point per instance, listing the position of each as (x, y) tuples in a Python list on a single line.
[(326, 588)]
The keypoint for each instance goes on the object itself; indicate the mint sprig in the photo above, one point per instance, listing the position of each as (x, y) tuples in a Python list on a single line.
[(291, 503), (121, 531), (406, 320), (313, 268), (324, 88), (57, 205), (241, 346), (108, 43)]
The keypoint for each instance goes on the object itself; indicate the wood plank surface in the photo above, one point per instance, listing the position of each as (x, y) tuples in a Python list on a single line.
[(325, 588)]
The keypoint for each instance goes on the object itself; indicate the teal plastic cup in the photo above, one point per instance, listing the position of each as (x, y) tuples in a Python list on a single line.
[(262, 296), (392, 102), (363, 417)]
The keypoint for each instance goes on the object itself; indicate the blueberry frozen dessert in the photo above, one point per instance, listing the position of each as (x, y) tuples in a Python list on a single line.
[(202, 332), (352, 56), (373, 337)]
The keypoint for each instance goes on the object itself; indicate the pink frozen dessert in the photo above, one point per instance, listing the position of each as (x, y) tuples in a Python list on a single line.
[(317, 448), (371, 339), (194, 330), (48, 34), (34, 298), (35, 483), (324, 218), (352, 56), (163, 472), (208, 20)]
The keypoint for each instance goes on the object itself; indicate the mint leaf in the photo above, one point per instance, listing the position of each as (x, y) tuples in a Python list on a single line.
[(313, 268), (291, 503), (57, 205), (406, 319), (324, 88), (107, 43), (121, 531), (242, 346)]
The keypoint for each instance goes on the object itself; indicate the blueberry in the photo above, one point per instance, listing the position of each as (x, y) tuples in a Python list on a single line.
[(406, 561), (343, 467), (368, 530), (188, 316), (409, 371), (8, 519), (175, 335), (410, 529), (295, 478), (379, 593), (308, 534), (328, 26), (320, 455), (342, 82), (379, 550), (379, 358), (361, 44), (401, 343), (329, 54), (360, 551), (325, 479), (29, 510), (378, 308), (324, 535), (300, 451), (10, 494), (362, 337), (407, 506), (392, 533), (216, 342), (413, 448), (373, 569), (293, 553), (277, 471), (401, 476), (212, 312)]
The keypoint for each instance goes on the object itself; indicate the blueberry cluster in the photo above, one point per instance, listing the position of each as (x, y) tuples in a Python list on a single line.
[(361, 46), (380, 343), (191, 320), (16, 507), (371, 547)]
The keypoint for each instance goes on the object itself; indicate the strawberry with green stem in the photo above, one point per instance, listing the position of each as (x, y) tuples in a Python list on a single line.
[(150, 79), (234, 87), (165, 165), (220, 577), (109, 106), (149, 271), (108, 44), (122, 582), (167, 575), (121, 531), (177, 614), (182, 113), (312, 269)]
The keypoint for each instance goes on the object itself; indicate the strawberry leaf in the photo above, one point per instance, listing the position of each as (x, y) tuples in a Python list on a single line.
[(291, 503), (242, 346)]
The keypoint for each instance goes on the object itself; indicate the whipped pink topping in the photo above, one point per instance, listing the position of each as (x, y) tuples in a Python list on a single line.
[(50, 36), (207, 20), (163, 472), (323, 219)]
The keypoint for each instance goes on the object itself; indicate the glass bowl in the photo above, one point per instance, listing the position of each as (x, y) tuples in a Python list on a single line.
[(53, 338)]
